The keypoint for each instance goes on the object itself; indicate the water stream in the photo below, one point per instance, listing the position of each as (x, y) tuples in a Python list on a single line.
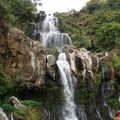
[(53, 38), (67, 81), (3, 115)]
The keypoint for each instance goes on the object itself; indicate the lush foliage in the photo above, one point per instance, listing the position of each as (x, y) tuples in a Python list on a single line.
[(31, 103), (116, 62), (5, 82), (96, 26), (112, 101), (18, 13), (109, 34), (5, 17), (9, 85), (7, 107)]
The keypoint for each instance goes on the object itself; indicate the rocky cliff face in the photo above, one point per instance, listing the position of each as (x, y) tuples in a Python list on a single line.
[(86, 67), (20, 54)]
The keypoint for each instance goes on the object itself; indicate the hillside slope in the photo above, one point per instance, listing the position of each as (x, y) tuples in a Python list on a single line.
[(96, 26)]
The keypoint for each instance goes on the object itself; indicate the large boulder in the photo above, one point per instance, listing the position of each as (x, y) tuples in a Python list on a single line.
[(21, 55), (17, 104), (26, 113), (81, 65), (51, 65), (85, 66)]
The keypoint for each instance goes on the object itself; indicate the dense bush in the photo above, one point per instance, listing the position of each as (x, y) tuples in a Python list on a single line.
[(5, 17), (18, 13), (23, 11), (109, 35), (113, 4), (31, 103), (116, 62), (5, 82), (92, 6), (96, 26)]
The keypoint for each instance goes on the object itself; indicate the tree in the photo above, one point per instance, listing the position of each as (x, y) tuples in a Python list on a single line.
[(92, 6), (18, 13), (113, 4), (109, 34), (6, 18)]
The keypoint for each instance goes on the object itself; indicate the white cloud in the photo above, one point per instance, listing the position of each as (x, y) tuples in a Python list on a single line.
[(51, 6)]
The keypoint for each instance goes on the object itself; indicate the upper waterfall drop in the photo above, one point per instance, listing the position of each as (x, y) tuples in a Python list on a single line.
[(51, 36), (50, 24)]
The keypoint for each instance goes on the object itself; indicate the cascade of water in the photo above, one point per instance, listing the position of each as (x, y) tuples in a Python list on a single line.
[(111, 112), (51, 36), (3, 116), (12, 117), (99, 116), (67, 81)]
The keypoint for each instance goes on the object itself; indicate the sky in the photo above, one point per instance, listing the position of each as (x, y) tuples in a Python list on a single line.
[(51, 6)]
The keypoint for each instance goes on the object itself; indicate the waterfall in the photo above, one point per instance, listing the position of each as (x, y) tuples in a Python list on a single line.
[(99, 116), (12, 117), (3, 116), (67, 81), (53, 38)]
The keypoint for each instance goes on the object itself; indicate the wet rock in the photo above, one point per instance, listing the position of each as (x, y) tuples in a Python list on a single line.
[(81, 65), (51, 64), (17, 104), (51, 60), (26, 113), (95, 61)]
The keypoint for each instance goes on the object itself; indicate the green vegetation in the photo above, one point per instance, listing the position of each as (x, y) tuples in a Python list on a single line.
[(5, 17), (81, 94), (109, 35), (31, 103), (113, 102), (116, 62), (7, 107), (96, 26), (5, 82), (18, 13)]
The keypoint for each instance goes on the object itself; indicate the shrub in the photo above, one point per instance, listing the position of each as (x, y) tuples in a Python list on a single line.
[(92, 6), (116, 62), (31, 103), (109, 34), (7, 107), (5, 17), (19, 13), (5, 82)]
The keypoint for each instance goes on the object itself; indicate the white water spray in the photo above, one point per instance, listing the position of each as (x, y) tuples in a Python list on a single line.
[(67, 81), (12, 117), (53, 38), (3, 116)]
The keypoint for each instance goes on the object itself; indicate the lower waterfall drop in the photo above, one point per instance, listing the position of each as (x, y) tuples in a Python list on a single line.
[(68, 84)]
